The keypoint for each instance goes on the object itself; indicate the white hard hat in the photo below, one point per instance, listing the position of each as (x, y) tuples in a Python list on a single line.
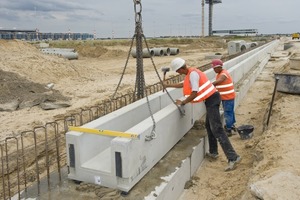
[(177, 63)]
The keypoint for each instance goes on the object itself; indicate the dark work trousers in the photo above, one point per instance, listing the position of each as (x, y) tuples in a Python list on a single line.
[(215, 129)]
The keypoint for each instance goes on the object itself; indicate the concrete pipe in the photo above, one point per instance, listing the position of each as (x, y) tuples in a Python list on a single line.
[(58, 49), (174, 51), (166, 51), (69, 55), (158, 52), (146, 53), (66, 54), (64, 49)]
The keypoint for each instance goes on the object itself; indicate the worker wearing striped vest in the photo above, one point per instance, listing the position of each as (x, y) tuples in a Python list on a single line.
[(224, 85), (198, 88)]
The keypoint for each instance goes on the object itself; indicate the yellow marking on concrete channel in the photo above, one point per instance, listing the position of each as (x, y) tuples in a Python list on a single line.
[(104, 132)]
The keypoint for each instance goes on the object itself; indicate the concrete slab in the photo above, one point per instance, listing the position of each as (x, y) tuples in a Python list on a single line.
[(197, 156), (172, 188), (279, 54)]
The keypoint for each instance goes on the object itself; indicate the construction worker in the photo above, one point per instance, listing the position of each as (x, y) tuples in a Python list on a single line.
[(224, 85), (197, 88)]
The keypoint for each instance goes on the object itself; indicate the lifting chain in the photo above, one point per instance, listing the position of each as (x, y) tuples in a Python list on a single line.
[(139, 90), (140, 81)]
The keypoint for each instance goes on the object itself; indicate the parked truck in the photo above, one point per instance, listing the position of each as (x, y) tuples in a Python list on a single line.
[(295, 36)]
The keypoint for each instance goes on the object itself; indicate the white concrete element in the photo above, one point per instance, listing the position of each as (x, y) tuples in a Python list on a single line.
[(295, 61), (121, 162), (166, 50), (197, 155), (58, 49), (252, 44), (171, 188), (174, 51), (44, 45), (63, 52), (95, 155), (213, 56), (281, 54), (237, 46), (158, 51), (146, 53)]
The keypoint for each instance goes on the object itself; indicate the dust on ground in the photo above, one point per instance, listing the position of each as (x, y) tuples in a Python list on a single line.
[(270, 161)]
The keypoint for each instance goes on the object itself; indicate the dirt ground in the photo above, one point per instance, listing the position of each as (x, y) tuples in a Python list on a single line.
[(270, 160)]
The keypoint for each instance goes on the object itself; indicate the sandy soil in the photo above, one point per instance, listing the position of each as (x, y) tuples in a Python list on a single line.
[(270, 164)]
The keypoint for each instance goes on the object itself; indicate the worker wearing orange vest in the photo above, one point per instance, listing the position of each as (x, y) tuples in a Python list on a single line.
[(224, 85), (198, 88)]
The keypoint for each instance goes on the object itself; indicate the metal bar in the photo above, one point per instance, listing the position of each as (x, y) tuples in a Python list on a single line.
[(7, 165), (2, 163), (47, 155), (271, 105), (36, 158), (57, 138), (23, 157)]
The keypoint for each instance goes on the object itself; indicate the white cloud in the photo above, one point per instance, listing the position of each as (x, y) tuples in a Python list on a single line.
[(175, 17)]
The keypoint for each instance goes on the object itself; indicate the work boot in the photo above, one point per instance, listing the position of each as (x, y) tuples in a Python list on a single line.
[(228, 131), (232, 164), (213, 156), (234, 128)]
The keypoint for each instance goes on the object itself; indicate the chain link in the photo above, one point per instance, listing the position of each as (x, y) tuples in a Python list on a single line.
[(124, 69), (140, 81), (138, 11)]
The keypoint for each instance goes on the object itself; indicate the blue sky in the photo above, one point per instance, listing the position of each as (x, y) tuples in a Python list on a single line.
[(168, 17)]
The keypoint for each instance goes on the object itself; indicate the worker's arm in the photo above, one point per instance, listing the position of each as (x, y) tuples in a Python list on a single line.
[(187, 100), (194, 82), (220, 80)]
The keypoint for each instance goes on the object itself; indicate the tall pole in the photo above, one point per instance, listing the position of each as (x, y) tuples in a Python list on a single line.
[(210, 13), (202, 18)]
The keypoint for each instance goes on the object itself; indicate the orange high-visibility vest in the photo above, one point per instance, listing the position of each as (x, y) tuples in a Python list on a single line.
[(226, 88), (206, 88)]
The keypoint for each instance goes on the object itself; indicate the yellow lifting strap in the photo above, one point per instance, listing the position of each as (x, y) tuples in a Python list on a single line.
[(104, 132)]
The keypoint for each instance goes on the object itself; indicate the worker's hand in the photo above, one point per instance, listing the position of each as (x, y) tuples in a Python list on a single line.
[(165, 84), (179, 102)]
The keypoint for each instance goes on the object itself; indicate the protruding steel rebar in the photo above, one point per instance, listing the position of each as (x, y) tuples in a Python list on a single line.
[(271, 104)]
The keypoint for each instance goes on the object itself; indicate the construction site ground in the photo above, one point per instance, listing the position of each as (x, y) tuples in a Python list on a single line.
[(270, 160)]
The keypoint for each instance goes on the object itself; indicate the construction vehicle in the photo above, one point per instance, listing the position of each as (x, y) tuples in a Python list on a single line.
[(295, 36)]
